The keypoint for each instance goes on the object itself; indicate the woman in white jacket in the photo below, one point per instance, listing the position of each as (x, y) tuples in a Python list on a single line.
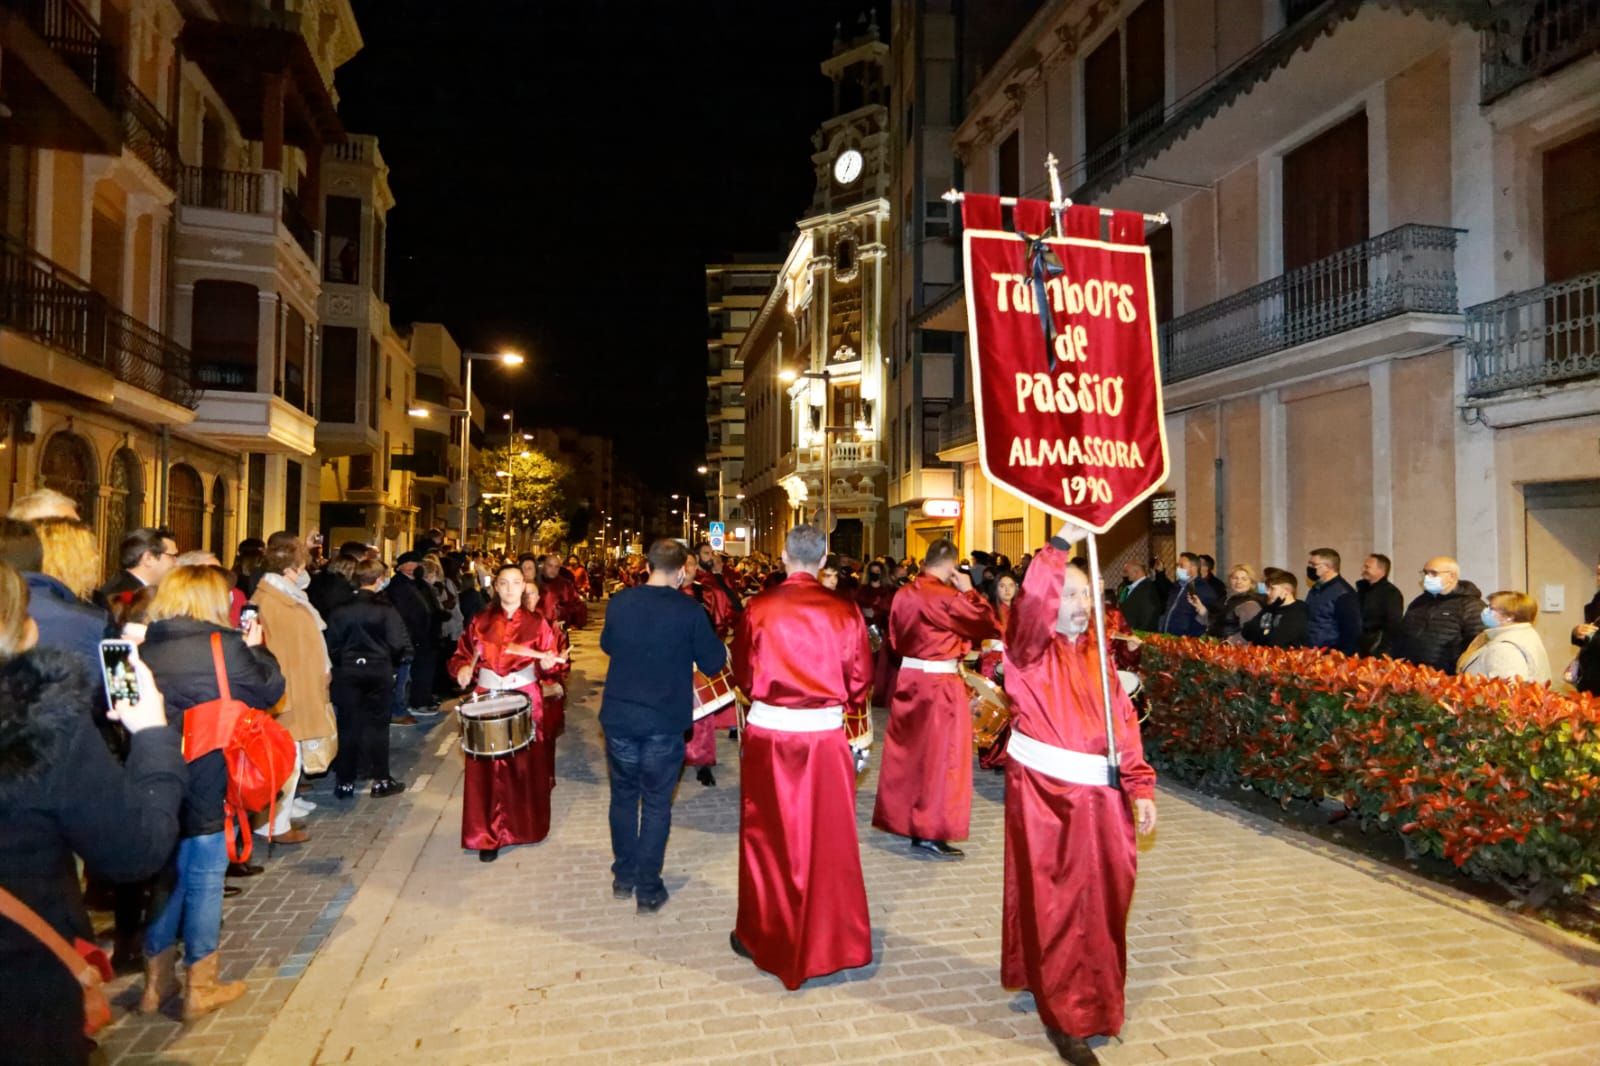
[(1509, 646)]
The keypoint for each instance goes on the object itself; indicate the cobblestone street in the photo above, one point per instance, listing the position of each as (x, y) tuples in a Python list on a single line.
[(383, 941)]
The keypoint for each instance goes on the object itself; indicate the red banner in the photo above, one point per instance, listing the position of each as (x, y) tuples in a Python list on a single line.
[(1068, 401)]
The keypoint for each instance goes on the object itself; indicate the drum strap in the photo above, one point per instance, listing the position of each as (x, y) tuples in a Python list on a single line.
[(929, 666), (494, 682), (795, 719), (1063, 764)]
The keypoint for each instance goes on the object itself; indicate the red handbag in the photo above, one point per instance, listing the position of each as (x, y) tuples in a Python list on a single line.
[(86, 962), (259, 753)]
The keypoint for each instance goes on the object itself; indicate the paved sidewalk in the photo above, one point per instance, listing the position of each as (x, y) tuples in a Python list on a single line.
[(1250, 944)]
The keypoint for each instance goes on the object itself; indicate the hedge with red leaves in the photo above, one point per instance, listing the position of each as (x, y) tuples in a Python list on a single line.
[(1502, 778)]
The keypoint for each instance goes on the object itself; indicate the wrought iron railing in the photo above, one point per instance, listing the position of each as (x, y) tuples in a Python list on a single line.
[(958, 426), (1409, 269), (226, 190), (1539, 337), (1530, 40), (147, 133), (72, 33), (57, 308)]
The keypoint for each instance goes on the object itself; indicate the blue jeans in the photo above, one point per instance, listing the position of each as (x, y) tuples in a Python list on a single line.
[(644, 771), (196, 900), (398, 707)]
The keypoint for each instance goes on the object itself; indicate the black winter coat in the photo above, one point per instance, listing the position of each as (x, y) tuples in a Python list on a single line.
[(418, 609), (328, 592), (1382, 608), (1589, 651), (1279, 626), (1437, 629), (178, 652), (61, 793), (368, 627)]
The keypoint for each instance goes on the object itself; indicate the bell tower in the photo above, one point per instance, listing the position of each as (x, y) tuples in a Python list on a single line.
[(850, 150)]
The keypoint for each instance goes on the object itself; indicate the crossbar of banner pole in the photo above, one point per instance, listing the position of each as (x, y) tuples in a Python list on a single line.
[(955, 196)]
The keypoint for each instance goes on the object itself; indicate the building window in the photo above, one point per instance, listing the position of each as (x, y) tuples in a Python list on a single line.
[(360, 479), (68, 466), (341, 260), (1008, 164), (1008, 538), (294, 361), (224, 335), (388, 377), (339, 373), (936, 219), (931, 410), (186, 505), (1160, 242), (1124, 85)]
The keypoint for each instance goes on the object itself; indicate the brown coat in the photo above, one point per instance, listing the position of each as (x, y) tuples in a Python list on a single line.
[(291, 633)]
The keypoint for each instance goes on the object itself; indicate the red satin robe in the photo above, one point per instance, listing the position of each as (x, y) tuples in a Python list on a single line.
[(559, 601), (802, 898), (701, 747), (880, 600), (506, 798), (1070, 853), (925, 784)]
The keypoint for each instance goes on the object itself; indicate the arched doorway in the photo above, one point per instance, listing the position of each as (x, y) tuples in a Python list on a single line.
[(68, 467), (219, 516), (125, 505), (186, 504)]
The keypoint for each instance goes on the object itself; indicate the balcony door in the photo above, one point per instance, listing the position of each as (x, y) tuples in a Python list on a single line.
[(224, 335), (1324, 223), (1571, 251)]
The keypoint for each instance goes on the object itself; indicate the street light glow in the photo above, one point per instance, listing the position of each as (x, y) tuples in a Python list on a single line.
[(502, 473), (417, 412), (700, 470), (512, 358), (787, 375)]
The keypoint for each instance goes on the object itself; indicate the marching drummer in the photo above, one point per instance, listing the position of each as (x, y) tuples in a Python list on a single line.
[(508, 650), (925, 785), (701, 749)]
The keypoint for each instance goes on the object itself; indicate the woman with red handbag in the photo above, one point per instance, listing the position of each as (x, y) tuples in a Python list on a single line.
[(191, 606), (61, 793)]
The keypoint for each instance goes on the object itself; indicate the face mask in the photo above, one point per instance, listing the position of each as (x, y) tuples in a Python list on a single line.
[(302, 580), (1490, 619), (1261, 588), (1432, 583), (383, 584), (1183, 573), (1311, 573)]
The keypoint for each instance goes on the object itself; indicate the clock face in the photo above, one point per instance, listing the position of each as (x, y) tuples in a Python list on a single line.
[(847, 168)]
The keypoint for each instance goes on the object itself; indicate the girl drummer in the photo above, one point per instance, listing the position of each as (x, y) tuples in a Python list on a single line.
[(505, 650)]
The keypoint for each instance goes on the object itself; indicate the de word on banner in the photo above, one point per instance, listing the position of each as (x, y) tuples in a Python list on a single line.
[(1067, 386)]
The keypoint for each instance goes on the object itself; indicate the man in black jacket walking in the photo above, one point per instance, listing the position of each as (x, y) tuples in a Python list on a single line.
[(367, 643), (1440, 623), (656, 638), (1382, 606)]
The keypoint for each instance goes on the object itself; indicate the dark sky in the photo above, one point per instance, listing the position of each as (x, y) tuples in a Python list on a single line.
[(565, 168)]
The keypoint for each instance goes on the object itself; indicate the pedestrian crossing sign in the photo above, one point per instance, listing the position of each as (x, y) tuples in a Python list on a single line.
[(716, 533)]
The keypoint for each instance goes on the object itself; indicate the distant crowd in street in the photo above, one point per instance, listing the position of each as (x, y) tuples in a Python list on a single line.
[(132, 805)]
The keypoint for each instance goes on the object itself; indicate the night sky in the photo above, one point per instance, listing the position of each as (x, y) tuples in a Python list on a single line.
[(564, 170)]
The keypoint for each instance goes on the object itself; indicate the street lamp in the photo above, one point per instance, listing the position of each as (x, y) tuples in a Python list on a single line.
[(504, 359)]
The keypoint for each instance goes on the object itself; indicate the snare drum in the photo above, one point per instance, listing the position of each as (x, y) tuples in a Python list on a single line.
[(711, 694), (496, 723)]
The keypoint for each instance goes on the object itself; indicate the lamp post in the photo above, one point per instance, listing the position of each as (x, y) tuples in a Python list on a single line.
[(504, 359)]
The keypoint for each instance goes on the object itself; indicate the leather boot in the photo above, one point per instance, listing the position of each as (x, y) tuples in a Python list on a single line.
[(160, 980), (205, 993)]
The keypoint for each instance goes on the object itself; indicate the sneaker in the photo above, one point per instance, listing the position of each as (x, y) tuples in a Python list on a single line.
[(302, 807), (621, 891), (431, 711), (652, 906), (387, 787), (344, 792)]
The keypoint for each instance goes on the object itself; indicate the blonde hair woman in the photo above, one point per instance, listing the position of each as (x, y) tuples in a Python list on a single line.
[(1508, 646), (71, 554), (191, 607)]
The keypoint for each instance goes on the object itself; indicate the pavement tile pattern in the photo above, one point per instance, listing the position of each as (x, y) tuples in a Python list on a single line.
[(1249, 943)]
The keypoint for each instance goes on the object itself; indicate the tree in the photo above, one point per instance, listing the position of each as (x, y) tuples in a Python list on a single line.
[(534, 493)]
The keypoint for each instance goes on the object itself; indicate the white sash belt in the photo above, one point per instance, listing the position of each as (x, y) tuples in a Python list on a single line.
[(796, 719), (1063, 764), (929, 666), (494, 682)]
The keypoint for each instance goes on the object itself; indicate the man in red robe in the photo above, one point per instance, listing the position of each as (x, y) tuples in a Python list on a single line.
[(925, 785), (1069, 831), (801, 656), (558, 594), (507, 648), (701, 749), (875, 598)]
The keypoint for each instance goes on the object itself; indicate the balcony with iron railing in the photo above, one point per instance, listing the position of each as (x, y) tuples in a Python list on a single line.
[(1527, 41), (238, 191), (54, 307), (1410, 269), (1544, 336), (958, 427)]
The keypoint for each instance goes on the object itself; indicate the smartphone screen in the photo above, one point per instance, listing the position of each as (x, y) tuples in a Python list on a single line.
[(247, 614), (116, 665)]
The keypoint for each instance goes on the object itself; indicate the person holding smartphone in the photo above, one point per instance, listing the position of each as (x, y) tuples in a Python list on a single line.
[(63, 794)]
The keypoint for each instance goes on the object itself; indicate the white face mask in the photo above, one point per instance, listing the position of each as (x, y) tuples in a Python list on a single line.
[(1183, 573), (302, 580), (1432, 583)]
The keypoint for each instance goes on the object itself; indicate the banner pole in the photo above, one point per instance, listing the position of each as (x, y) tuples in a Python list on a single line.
[(1113, 763), (1058, 205)]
